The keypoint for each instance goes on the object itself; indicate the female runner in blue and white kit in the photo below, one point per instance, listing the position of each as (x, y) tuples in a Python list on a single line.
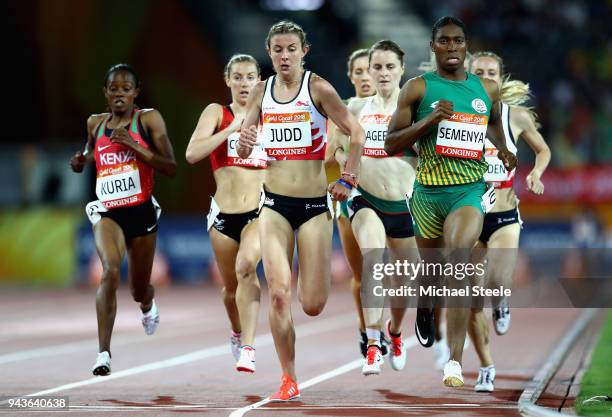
[(293, 107), (502, 226), (232, 220)]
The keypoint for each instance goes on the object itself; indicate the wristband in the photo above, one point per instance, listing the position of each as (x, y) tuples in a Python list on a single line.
[(345, 184), (349, 180)]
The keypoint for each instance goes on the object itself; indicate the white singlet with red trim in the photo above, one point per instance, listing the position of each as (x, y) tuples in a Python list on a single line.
[(293, 130), (374, 123), (496, 173)]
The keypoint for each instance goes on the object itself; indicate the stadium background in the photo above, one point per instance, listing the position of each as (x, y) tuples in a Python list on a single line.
[(57, 53)]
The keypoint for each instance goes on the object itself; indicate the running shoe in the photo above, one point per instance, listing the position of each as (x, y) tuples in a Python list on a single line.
[(363, 344), (398, 350), (235, 344), (441, 353), (501, 317), (486, 377), (373, 362), (246, 361), (452, 374), (102, 366), (150, 319), (288, 391), (424, 326)]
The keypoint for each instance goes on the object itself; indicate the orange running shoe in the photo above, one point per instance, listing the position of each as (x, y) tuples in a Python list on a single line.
[(288, 390)]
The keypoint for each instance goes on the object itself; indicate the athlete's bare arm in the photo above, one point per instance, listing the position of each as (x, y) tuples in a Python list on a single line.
[(529, 133), (402, 133), (160, 156), (203, 141), (495, 126), (338, 140), (328, 100), (80, 159), (248, 132)]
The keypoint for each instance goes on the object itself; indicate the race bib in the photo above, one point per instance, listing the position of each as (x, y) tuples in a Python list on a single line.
[(496, 171), (257, 158), (375, 127), (462, 136), (119, 182), (488, 200), (286, 134)]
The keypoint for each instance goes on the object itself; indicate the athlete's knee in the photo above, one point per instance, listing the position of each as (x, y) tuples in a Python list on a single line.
[(280, 298), (111, 274), (245, 268), (314, 306)]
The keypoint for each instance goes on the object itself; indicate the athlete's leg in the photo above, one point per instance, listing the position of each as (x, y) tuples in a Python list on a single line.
[(401, 249), (370, 234), (354, 259), (248, 292), (502, 255), (110, 244), (277, 242), (141, 251), (426, 319), (462, 228), (226, 249), (314, 240), (478, 330)]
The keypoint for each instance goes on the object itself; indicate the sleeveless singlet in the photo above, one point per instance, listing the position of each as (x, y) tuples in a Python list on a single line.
[(497, 174), (226, 155), (452, 152), (293, 130), (121, 179)]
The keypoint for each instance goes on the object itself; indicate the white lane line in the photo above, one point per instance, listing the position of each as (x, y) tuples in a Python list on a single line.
[(321, 326), (118, 340), (347, 367)]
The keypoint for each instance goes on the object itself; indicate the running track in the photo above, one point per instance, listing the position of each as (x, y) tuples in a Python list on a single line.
[(48, 344)]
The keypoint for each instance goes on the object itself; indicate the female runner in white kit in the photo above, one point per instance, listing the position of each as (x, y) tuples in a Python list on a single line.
[(359, 75), (232, 220), (502, 225), (378, 210), (293, 107)]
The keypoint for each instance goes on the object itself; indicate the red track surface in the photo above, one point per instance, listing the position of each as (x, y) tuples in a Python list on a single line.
[(55, 331)]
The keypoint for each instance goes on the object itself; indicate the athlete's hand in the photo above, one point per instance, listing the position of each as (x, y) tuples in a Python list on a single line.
[(248, 139), (338, 191), (508, 158), (534, 184), (122, 137), (442, 111), (78, 161)]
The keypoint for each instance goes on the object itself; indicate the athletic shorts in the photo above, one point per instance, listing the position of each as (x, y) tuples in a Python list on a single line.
[(296, 210), (231, 225), (430, 205), (342, 209), (134, 221), (495, 221), (397, 225)]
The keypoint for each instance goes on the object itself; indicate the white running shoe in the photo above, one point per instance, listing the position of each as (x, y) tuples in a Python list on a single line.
[(373, 362), (150, 319), (246, 361), (452, 374), (501, 317), (486, 377), (235, 344), (397, 350), (441, 353), (102, 366)]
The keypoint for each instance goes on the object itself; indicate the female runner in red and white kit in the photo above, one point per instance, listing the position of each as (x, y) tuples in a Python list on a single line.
[(294, 105), (127, 145), (232, 220), (502, 225)]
